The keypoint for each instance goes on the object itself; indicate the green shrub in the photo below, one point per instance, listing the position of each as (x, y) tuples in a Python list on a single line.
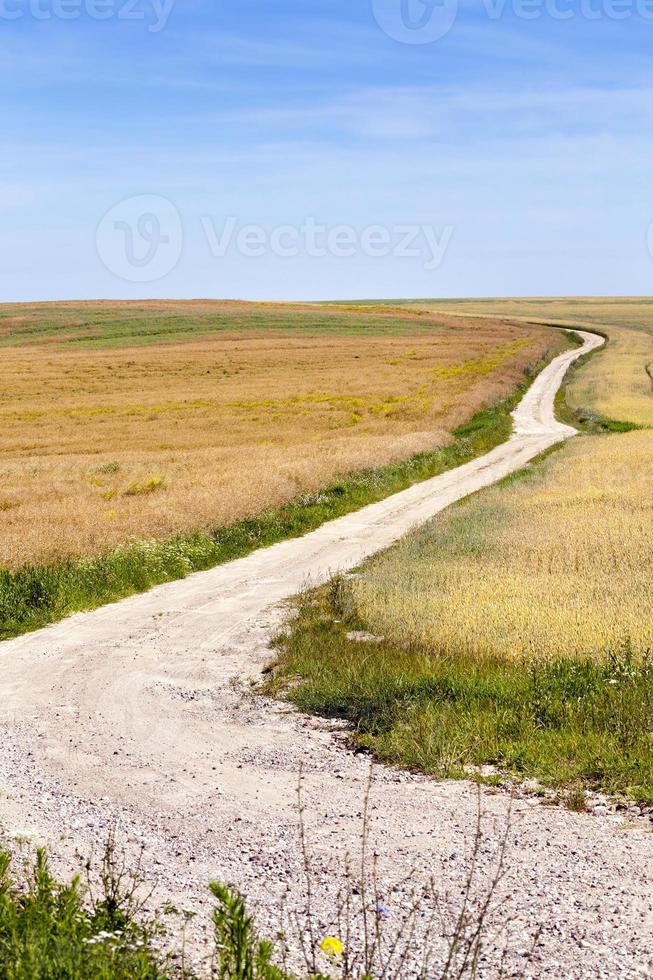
[(150, 485)]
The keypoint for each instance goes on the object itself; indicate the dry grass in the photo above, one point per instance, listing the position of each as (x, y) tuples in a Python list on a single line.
[(618, 382), (632, 312), (559, 562), (220, 411)]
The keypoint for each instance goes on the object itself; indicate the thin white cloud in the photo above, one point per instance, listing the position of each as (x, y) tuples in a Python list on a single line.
[(447, 114)]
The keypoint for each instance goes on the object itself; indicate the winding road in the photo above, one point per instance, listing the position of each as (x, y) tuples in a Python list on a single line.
[(137, 715)]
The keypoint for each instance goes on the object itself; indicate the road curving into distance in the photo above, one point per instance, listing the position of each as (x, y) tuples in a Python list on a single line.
[(135, 715), (111, 651)]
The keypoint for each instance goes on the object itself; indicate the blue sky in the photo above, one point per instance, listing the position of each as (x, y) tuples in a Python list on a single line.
[(525, 145)]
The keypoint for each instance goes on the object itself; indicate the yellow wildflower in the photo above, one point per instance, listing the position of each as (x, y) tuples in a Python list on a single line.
[(332, 946)]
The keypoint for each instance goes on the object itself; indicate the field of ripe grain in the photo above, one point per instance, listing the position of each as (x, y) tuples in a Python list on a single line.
[(558, 561), (618, 383), (132, 421), (631, 312)]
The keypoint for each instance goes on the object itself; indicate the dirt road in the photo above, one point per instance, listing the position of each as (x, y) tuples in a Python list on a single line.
[(138, 715)]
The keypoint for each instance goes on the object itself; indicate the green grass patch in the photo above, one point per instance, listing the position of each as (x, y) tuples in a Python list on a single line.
[(52, 931), (568, 722), (34, 596), (152, 484), (55, 931)]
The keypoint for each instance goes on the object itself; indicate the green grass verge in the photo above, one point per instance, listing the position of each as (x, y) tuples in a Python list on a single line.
[(567, 723), (55, 931), (34, 596)]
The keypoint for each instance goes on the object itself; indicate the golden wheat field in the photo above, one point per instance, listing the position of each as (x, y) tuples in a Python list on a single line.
[(132, 421), (556, 562), (618, 381)]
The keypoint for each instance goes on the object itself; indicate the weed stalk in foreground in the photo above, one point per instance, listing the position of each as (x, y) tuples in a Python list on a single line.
[(100, 930)]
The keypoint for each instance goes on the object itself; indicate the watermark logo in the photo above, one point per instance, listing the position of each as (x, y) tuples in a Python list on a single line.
[(424, 243), (426, 21), (141, 238), (415, 21), (153, 13)]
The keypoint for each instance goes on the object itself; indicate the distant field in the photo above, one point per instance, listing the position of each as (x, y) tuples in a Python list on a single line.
[(610, 311), (130, 421), (132, 323), (618, 382), (517, 624)]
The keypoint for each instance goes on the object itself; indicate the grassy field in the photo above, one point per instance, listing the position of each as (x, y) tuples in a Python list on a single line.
[(517, 625), (634, 312), (105, 444), (226, 426), (127, 323)]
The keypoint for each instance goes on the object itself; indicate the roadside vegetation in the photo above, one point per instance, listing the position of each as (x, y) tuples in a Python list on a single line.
[(106, 926), (55, 931), (234, 442), (571, 723), (516, 626)]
